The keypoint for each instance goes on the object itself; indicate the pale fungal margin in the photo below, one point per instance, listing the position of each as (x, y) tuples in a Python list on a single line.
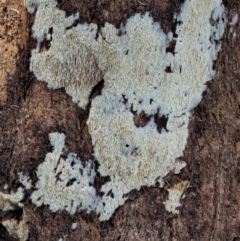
[(175, 196), (234, 20), (74, 226), (133, 68), (232, 24), (8, 202), (18, 229), (25, 180)]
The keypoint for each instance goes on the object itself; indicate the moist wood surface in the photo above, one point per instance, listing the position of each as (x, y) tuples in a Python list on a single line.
[(29, 111)]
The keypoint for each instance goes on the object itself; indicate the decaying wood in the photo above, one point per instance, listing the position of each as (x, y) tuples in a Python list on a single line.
[(29, 111)]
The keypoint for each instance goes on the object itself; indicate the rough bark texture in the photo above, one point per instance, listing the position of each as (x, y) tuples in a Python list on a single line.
[(29, 111)]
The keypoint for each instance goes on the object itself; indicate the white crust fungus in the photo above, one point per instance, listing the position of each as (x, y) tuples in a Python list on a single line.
[(18, 229), (25, 180), (133, 68), (69, 61), (175, 196), (10, 201), (64, 184), (132, 156)]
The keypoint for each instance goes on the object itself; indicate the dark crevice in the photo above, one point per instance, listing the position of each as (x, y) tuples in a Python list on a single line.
[(125, 100), (161, 122), (75, 23), (171, 47), (13, 214), (99, 181), (168, 69), (46, 43), (141, 120), (57, 164), (97, 89), (110, 193), (57, 177), (4, 235), (71, 181), (238, 175)]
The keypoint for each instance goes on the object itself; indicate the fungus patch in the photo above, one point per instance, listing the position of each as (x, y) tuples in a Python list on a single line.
[(67, 61), (140, 76), (64, 184), (74, 226), (13, 216), (25, 181), (18, 229), (175, 196), (234, 19), (10, 201)]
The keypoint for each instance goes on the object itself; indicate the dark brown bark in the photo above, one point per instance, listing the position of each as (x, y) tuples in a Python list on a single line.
[(29, 111)]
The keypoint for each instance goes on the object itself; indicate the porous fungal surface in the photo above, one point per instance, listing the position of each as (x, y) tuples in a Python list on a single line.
[(139, 76)]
